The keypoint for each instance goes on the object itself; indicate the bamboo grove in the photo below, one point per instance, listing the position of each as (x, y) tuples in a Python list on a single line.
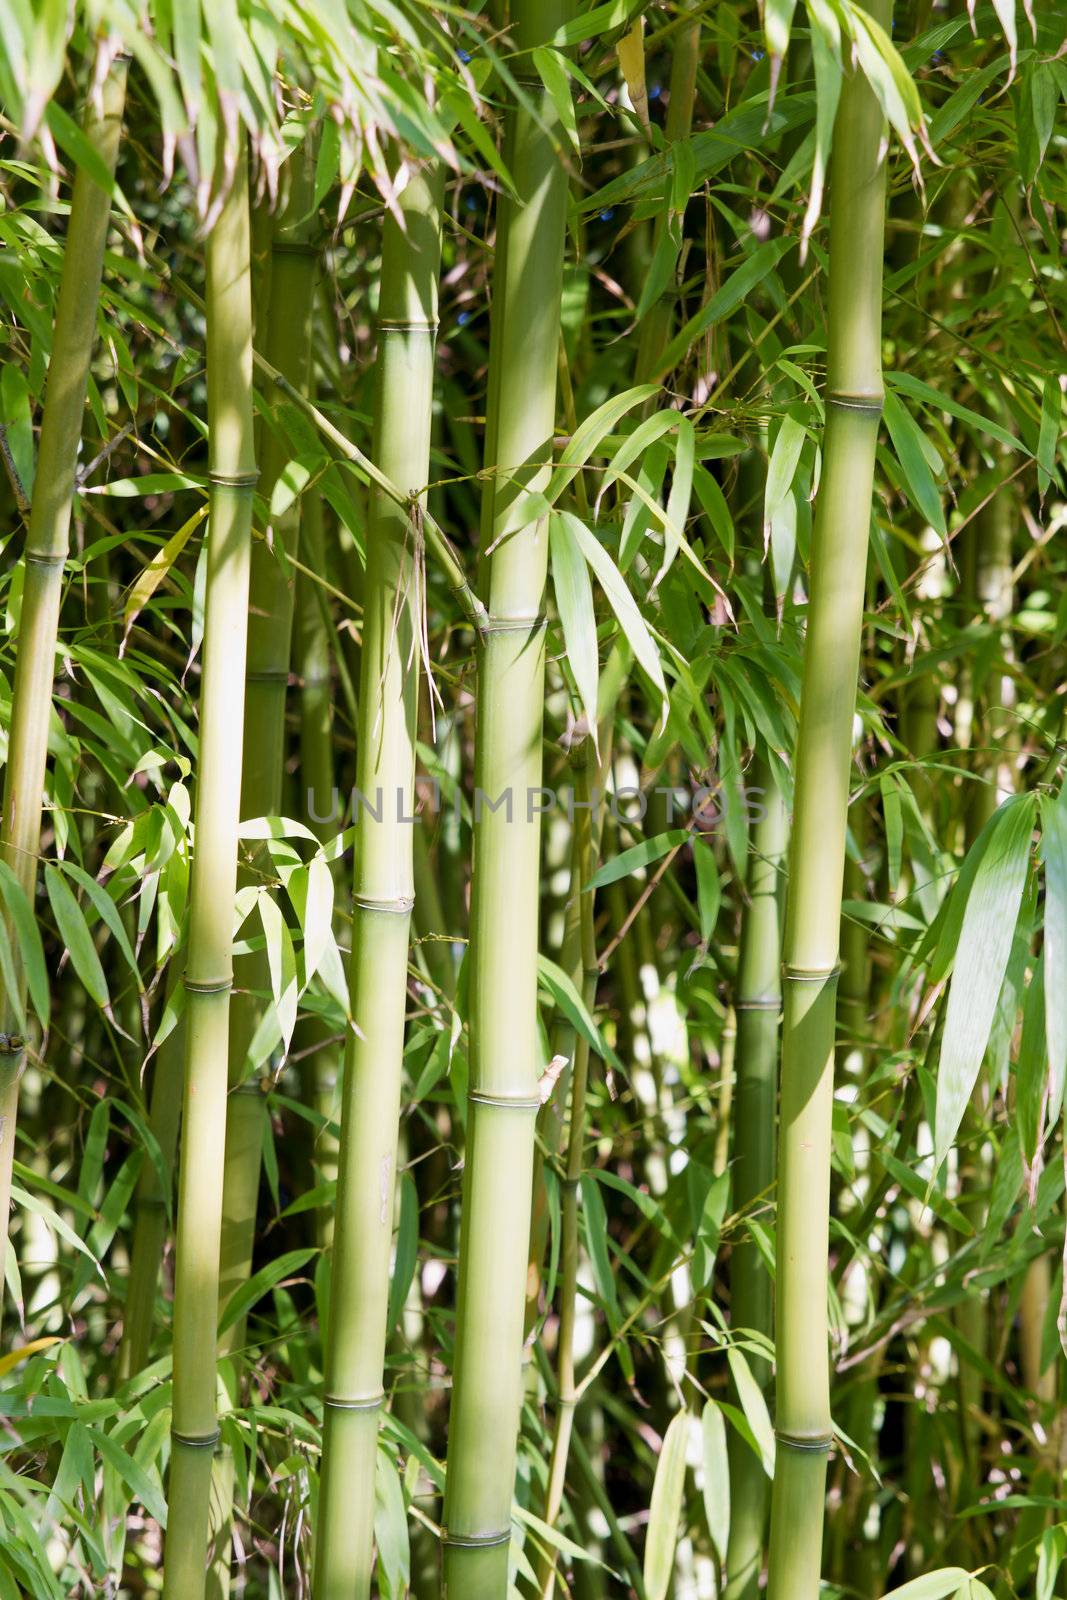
[(533, 867)]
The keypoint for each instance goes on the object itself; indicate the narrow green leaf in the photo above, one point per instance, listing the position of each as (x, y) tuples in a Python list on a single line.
[(665, 1510), (931, 1586), (782, 466), (74, 934), (1054, 855), (908, 444), (243, 1299), (753, 1405), (716, 1477), (726, 300), (1048, 441), (621, 601), (574, 601), (29, 941), (981, 961), (638, 856)]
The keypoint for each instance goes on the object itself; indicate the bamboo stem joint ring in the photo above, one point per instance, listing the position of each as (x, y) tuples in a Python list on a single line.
[(505, 1102), (364, 1402)]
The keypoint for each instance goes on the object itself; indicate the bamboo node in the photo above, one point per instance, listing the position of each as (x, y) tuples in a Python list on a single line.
[(268, 675), (514, 624), (398, 907), (871, 402), (237, 481), (359, 1402), (253, 1086), (197, 1441), (811, 974), (35, 558), (407, 325), (475, 1541), (293, 247), (208, 986), (505, 1102), (817, 1443), (767, 1002)]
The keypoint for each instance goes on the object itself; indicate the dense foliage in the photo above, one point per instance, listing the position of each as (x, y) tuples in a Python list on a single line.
[(618, 219)]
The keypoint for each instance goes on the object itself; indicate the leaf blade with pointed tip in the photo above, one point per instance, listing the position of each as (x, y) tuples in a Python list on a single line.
[(981, 960), (665, 1509), (574, 601), (716, 1478)]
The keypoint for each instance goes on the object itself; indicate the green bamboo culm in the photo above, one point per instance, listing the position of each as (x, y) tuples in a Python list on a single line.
[(383, 895), (287, 341), (209, 962), (504, 1064), (152, 1205), (757, 1005), (318, 1047), (47, 542), (817, 849), (584, 972), (284, 284)]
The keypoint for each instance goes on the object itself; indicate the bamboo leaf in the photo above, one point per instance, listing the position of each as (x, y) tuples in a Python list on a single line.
[(908, 384), (75, 935), (621, 601), (981, 960), (574, 600), (262, 1282), (135, 1478), (665, 1510), (680, 495), (631, 53), (592, 432), (1054, 855), (716, 1477), (554, 77), (9, 1362), (109, 915), (146, 585), (931, 1586), (638, 856), (574, 1008), (709, 887), (391, 1528), (1048, 441), (753, 1405), (407, 1249), (596, 1222), (29, 940), (909, 446), (734, 292), (782, 466), (281, 959)]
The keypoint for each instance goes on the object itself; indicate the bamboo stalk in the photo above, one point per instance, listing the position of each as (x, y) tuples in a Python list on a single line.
[(823, 761), (293, 270), (209, 966), (685, 59), (758, 1003), (504, 1066), (45, 554), (583, 857), (320, 1062), (151, 1205), (383, 897), (284, 272)]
